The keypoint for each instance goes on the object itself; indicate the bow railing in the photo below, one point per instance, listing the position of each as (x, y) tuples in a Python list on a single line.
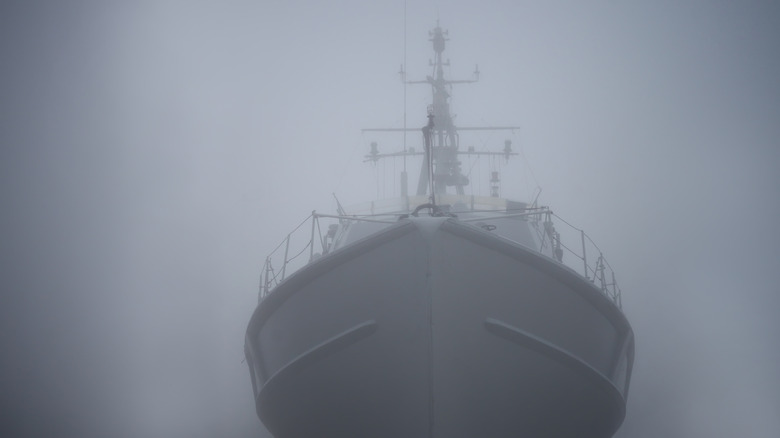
[(303, 245), (564, 243), (589, 259)]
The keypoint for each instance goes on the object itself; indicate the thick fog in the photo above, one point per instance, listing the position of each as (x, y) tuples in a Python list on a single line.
[(153, 153)]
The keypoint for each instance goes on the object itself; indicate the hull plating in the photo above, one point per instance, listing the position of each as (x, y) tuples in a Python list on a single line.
[(436, 329)]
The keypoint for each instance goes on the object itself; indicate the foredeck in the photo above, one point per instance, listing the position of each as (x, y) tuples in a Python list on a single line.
[(538, 228)]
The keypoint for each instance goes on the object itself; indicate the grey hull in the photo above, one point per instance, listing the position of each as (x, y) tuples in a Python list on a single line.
[(433, 328)]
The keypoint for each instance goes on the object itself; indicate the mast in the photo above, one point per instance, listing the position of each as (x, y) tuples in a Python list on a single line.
[(447, 172), (440, 167)]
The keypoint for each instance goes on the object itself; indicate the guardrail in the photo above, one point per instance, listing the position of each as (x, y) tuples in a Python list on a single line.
[(305, 244), (596, 269), (286, 257)]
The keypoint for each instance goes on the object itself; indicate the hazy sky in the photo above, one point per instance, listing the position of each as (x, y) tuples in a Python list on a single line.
[(153, 153)]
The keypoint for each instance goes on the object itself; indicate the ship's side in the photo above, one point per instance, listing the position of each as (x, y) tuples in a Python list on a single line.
[(437, 328)]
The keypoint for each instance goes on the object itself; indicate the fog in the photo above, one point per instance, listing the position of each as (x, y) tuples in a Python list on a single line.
[(153, 153)]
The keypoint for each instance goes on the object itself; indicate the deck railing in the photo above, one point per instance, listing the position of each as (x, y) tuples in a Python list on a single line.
[(309, 242), (564, 243), (576, 243)]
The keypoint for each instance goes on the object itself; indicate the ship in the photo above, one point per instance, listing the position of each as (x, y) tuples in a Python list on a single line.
[(440, 314)]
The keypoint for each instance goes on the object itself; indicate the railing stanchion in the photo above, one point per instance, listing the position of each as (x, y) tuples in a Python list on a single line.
[(584, 257), (311, 241), (267, 282), (602, 276), (286, 250), (261, 287), (614, 287)]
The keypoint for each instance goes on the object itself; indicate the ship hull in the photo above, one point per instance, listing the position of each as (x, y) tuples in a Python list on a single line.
[(433, 328)]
